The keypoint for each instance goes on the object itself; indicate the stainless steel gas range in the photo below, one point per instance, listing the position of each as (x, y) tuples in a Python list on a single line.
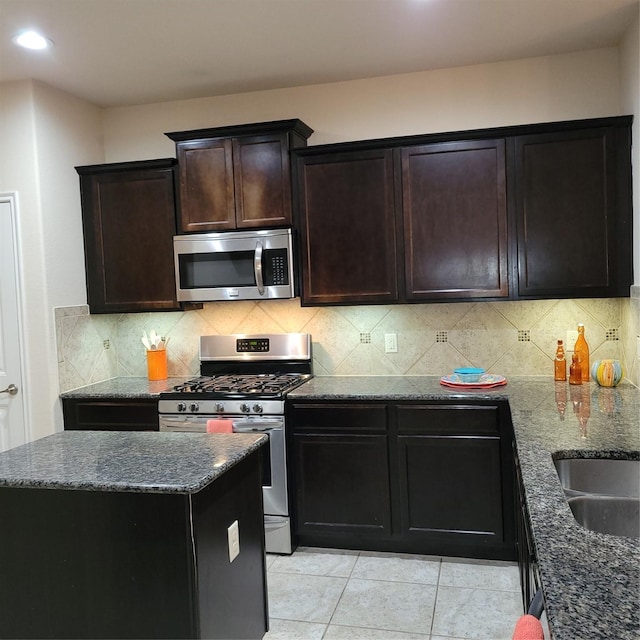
[(244, 380)]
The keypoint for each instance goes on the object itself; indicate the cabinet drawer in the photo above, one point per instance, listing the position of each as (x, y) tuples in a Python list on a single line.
[(121, 415), (330, 417), (449, 419)]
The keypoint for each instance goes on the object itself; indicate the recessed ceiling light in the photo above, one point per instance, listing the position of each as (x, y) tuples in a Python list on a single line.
[(32, 40)]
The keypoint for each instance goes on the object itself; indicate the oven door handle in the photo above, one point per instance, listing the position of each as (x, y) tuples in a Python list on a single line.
[(181, 424), (261, 426), (257, 267)]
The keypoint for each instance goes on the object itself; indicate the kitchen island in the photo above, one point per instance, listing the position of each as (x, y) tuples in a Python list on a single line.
[(590, 580), (125, 535)]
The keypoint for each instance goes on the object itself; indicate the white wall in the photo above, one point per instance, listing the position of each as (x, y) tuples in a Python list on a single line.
[(573, 86), (45, 133)]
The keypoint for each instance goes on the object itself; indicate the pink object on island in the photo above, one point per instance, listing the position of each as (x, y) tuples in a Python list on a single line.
[(222, 425)]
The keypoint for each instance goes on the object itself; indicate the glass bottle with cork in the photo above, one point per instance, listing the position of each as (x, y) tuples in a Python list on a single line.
[(560, 363), (581, 350)]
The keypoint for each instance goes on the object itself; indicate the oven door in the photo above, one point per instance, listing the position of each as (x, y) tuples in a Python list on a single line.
[(274, 466)]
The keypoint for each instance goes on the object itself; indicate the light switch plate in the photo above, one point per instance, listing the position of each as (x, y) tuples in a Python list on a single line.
[(233, 534), (572, 336)]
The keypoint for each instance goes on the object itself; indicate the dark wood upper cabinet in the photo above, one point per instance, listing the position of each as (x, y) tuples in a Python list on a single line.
[(128, 214), (348, 227), (573, 213), (523, 212), (454, 207), (236, 177)]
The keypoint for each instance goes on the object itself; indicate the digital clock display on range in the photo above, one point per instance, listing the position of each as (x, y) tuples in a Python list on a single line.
[(252, 345)]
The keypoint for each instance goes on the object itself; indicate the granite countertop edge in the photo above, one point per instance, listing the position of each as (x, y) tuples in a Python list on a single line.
[(128, 462)]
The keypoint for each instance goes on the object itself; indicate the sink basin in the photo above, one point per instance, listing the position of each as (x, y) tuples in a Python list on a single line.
[(606, 514), (603, 494), (601, 476)]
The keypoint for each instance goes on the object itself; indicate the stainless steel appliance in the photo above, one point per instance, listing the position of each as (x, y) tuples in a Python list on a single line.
[(234, 265), (245, 379)]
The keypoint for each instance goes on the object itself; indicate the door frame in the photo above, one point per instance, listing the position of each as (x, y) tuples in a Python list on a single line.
[(11, 197)]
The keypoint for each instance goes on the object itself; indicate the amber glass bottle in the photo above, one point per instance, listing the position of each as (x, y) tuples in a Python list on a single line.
[(575, 370), (560, 363), (582, 351)]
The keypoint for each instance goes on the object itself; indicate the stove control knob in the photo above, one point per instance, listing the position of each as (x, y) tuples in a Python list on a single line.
[(245, 408), (181, 406), (219, 407), (194, 407), (257, 408)]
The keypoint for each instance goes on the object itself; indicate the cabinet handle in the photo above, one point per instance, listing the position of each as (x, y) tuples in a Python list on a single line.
[(257, 266), (11, 390)]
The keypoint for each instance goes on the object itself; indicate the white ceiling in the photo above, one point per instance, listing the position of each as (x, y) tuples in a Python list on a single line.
[(125, 52)]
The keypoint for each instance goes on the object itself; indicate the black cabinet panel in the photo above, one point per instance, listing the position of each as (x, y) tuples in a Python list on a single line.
[(342, 484), (455, 220), (573, 214), (348, 227), (433, 478), (128, 214), (115, 414)]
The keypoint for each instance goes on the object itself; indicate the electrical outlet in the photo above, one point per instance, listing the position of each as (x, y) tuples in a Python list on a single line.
[(572, 336), (233, 534), (391, 343)]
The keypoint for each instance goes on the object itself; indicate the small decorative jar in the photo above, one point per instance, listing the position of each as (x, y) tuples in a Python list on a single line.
[(607, 373)]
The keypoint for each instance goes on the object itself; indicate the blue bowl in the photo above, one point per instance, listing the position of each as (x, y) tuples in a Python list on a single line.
[(469, 374)]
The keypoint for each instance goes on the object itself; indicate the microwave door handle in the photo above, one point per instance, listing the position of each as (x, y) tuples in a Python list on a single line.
[(257, 267)]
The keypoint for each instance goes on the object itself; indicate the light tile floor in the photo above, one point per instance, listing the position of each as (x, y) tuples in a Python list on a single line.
[(332, 594)]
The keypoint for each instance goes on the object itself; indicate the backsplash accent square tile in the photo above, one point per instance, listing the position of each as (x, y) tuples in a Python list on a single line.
[(507, 338)]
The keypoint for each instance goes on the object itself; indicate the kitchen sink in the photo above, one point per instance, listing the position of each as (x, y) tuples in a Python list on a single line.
[(603, 494), (599, 475), (607, 514)]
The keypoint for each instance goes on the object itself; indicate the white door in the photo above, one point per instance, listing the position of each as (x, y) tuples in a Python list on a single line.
[(12, 410)]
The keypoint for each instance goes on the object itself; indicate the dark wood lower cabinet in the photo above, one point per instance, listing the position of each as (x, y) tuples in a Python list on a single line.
[(110, 414), (452, 489), (420, 478), (342, 487)]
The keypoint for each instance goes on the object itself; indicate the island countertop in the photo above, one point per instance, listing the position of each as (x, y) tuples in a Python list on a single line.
[(590, 580), (138, 461)]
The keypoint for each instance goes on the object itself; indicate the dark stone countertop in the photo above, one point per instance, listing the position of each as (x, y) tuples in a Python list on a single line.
[(124, 388), (136, 461), (591, 581)]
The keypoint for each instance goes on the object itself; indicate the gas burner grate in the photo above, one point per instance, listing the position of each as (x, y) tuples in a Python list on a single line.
[(271, 384)]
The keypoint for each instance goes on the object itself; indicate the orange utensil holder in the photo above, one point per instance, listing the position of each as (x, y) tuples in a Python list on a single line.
[(157, 364)]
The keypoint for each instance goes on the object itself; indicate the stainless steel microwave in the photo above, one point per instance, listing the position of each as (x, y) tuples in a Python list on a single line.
[(234, 265)]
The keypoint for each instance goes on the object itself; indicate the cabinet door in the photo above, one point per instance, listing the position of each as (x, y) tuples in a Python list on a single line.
[(262, 179), (574, 233), (206, 189), (450, 478), (348, 227), (339, 457), (455, 220), (128, 213)]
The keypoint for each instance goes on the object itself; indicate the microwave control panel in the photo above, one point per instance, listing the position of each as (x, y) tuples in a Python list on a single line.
[(276, 267)]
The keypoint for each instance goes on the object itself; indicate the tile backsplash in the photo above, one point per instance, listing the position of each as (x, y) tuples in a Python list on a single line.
[(508, 338)]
